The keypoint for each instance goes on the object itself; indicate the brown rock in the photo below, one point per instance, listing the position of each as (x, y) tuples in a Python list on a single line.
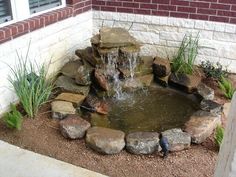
[(201, 125), (74, 127), (146, 80), (187, 83), (101, 80), (105, 140), (70, 69), (60, 109), (71, 97), (163, 81), (161, 67)]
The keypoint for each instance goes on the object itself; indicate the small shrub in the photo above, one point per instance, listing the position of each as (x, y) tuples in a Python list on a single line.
[(32, 89), (184, 61), (13, 119), (212, 70), (226, 87), (219, 134)]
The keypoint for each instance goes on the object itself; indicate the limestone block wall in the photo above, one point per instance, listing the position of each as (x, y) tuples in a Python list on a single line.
[(54, 44), (161, 35)]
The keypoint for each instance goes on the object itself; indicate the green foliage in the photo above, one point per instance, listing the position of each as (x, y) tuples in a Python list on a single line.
[(226, 87), (30, 84), (184, 61), (215, 71), (13, 119), (219, 134)]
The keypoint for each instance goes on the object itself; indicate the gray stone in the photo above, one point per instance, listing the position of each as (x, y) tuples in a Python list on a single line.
[(74, 127), (211, 106), (105, 140), (161, 67), (205, 92), (70, 85), (60, 109), (116, 37), (185, 82), (178, 140), (142, 142), (70, 69), (201, 125), (76, 99), (82, 76)]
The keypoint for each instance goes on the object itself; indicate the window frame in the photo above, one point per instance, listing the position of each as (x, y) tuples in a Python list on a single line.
[(21, 11)]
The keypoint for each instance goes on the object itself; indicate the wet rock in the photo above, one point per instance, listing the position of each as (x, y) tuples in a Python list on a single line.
[(184, 82), (161, 67), (205, 92), (60, 109), (178, 140), (163, 81), (142, 142), (201, 125), (82, 77), (76, 99), (146, 80), (105, 140), (226, 109), (115, 37), (74, 127), (87, 55), (132, 85), (94, 104), (101, 80), (70, 85), (70, 69), (211, 106), (109, 52), (144, 67)]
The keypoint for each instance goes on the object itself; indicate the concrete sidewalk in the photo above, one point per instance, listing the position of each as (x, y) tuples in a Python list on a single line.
[(17, 162)]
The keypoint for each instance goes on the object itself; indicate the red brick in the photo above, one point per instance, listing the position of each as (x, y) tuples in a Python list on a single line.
[(199, 17), (220, 6), (148, 6), (113, 3), (130, 4), (125, 10), (160, 13), (200, 4), (167, 7), (219, 19), (142, 11), (233, 20), (180, 2), (2, 35), (206, 11), (186, 9), (161, 1), (227, 1), (179, 15)]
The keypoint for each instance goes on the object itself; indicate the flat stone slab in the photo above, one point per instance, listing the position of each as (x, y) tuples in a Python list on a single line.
[(70, 69), (105, 140), (116, 37), (205, 92), (184, 82), (211, 106), (178, 140), (201, 125), (146, 80), (69, 84), (142, 142), (60, 109), (71, 97), (74, 127), (161, 67)]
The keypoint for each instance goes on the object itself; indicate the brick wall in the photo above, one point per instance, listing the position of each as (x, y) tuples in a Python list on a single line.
[(209, 10)]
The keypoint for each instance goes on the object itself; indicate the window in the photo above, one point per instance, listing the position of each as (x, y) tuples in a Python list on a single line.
[(15, 10), (5, 11)]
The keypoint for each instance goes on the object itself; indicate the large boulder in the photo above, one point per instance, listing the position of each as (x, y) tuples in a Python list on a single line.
[(201, 125), (161, 67), (211, 106), (74, 98), (178, 140), (185, 82), (142, 142), (69, 84), (70, 69), (60, 109), (105, 140), (74, 127), (205, 92)]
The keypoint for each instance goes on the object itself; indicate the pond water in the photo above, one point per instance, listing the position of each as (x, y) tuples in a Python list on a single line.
[(156, 109)]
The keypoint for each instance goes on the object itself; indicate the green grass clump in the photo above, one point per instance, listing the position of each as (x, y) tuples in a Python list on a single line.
[(184, 61), (213, 70), (219, 134), (13, 119), (30, 84), (226, 87)]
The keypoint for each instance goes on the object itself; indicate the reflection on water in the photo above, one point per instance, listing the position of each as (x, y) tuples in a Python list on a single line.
[(150, 110)]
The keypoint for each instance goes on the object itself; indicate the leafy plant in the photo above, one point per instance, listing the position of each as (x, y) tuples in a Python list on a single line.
[(184, 61), (30, 84), (13, 119), (219, 134), (214, 70), (226, 87)]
